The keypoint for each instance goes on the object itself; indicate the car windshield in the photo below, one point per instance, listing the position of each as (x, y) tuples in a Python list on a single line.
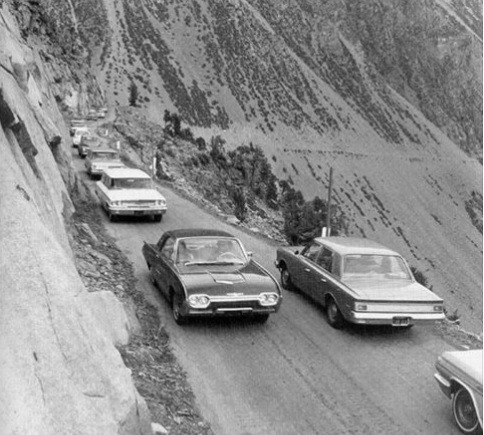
[(104, 155), (210, 251), (381, 267), (131, 183)]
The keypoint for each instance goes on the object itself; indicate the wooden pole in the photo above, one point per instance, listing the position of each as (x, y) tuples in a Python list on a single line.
[(328, 213)]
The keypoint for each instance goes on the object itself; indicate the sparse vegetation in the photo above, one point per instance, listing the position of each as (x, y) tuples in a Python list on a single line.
[(133, 93)]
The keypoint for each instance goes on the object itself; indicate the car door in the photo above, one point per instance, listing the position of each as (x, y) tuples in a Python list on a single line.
[(324, 281), (306, 272), (163, 272)]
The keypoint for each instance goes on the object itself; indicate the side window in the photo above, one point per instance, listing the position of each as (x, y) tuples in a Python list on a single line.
[(167, 249), (325, 259), (311, 251)]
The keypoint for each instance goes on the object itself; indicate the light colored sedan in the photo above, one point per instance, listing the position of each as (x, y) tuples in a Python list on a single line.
[(459, 375), (100, 159), (360, 281)]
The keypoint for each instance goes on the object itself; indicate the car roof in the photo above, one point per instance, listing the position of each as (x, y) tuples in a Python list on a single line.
[(197, 232), (355, 245), (126, 173)]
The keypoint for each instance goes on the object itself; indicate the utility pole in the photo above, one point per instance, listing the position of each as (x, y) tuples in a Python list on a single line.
[(328, 213)]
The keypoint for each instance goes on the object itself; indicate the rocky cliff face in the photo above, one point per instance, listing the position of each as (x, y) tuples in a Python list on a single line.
[(59, 374)]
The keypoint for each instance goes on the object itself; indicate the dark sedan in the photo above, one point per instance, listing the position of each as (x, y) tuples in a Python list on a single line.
[(206, 272)]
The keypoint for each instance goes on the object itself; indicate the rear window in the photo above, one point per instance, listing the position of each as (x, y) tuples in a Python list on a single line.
[(131, 183)]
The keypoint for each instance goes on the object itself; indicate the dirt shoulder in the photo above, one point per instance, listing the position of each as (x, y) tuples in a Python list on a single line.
[(156, 373)]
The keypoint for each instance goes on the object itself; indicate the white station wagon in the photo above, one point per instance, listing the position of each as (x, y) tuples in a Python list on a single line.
[(129, 192)]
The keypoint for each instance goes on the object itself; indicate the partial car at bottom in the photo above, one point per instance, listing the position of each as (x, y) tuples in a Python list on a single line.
[(359, 281), (459, 375), (208, 273)]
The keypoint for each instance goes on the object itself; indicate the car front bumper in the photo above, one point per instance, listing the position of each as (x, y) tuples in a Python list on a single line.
[(394, 319), (229, 309)]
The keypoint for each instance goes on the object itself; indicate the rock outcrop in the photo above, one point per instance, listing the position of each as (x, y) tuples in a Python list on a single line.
[(60, 372)]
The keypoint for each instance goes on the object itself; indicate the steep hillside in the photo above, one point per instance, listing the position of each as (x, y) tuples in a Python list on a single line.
[(269, 64)]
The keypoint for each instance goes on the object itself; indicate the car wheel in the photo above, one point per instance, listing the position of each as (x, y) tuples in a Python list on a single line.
[(112, 217), (152, 276), (157, 217), (176, 302), (334, 316), (286, 280), (464, 412), (261, 318)]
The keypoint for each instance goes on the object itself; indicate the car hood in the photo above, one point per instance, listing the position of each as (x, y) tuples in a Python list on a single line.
[(466, 361), (392, 290), (135, 195), (249, 279)]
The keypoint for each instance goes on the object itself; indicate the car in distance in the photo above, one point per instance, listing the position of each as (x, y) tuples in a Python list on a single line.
[(76, 123), (100, 159), (91, 115), (78, 133), (204, 272), (87, 142), (459, 376), (129, 192), (359, 281)]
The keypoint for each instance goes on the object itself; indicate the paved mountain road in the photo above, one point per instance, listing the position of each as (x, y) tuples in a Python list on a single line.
[(295, 374)]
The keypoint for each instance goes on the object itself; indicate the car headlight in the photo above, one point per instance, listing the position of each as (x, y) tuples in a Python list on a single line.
[(268, 299), (116, 203), (361, 307), (198, 301), (161, 203)]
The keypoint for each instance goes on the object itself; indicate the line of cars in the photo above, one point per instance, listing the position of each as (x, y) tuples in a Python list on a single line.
[(208, 273), (122, 191)]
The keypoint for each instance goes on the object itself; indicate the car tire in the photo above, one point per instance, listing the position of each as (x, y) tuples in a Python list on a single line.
[(157, 217), (261, 318), (464, 411), (286, 280), (112, 217), (152, 276), (333, 314), (175, 309)]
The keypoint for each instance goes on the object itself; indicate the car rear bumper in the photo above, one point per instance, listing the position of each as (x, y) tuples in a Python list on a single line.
[(395, 319), (137, 211), (228, 311), (99, 170)]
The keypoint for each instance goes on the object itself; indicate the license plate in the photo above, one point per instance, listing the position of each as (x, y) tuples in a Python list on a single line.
[(401, 321)]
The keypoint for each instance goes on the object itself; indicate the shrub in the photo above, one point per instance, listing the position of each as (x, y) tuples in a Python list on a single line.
[(419, 276), (133, 94), (201, 144), (204, 158), (240, 208)]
